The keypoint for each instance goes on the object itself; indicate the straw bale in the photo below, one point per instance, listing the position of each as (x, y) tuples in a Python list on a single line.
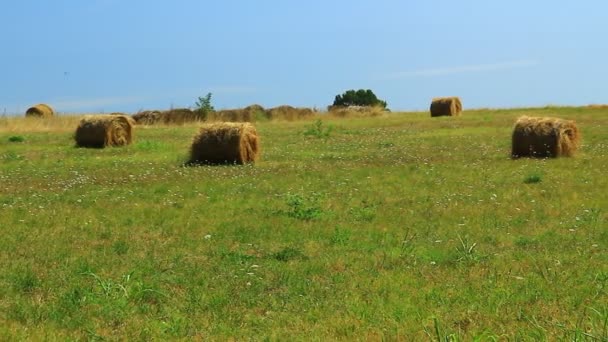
[(446, 106), (104, 130), (225, 143), (40, 110), (543, 137)]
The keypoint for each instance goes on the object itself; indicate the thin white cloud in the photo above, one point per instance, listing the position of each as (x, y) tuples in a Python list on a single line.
[(463, 69), (94, 103)]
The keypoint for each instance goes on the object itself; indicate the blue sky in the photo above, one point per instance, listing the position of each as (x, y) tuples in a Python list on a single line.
[(128, 55)]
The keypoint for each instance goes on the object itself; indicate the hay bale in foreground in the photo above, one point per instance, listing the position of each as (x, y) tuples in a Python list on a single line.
[(446, 106), (104, 130), (544, 137), (225, 143), (40, 110)]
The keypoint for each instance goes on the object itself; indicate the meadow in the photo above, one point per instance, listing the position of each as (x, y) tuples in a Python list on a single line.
[(399, 227)]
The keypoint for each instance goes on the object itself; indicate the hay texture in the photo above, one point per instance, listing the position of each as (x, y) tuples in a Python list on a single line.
[(40, 110), (355, 111), (544, 137), (147, 117), (446, 106), (107, 130), (250, 113), (290, 113), (225, 143)]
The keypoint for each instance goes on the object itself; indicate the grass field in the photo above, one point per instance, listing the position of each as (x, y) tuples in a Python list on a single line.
[(394, 228)]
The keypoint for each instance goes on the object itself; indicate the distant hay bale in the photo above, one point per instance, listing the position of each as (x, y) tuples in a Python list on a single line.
[(225, 143), (446, 106), (544, 137), (250, 113), (289, 113), (107, 130), (355, 111), (40, 110), (147, 117), (180, 116)]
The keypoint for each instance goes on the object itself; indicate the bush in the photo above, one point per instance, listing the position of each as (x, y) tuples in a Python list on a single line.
[(359, 97)]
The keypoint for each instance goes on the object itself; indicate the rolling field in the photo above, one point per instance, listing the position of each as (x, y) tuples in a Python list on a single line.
[(401, 227)]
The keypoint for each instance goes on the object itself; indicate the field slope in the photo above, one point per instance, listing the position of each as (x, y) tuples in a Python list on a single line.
[(400, 228)]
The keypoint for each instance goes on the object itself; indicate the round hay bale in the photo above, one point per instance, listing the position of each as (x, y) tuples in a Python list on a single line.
[(40, 110), (446, 106), (289, 113), (225, 143), (147, 117), (543, 137), (180, 116), (107, 130)]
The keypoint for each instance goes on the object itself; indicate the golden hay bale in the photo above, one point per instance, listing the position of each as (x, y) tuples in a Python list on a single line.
[(147, 117), (355, 111), (250, 113), (446, 106), (107, 130), (289, 113), (180, 116), (544, 137), (225, 143), (40, 110)]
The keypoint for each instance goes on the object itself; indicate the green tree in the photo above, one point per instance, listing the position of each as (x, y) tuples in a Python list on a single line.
[(361, 97), (203, 105)]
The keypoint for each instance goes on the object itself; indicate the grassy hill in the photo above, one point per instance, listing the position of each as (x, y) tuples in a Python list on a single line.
[(400, 227)]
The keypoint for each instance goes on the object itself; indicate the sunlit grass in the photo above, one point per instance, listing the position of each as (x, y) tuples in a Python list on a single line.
[(399, 227)]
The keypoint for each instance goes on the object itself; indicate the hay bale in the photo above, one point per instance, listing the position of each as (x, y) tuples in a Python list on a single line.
[(225, 143), (289, 113), (446, 106), (40, 110), (147, 117), (543, 137), (356, 111), (250, 113), (104, 130), (180, 116)]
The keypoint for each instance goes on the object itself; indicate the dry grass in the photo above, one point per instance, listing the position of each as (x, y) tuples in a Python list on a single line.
[(544, 137), (446, 106), (37, 125), (225, 143), (101, 131), (40, 110)]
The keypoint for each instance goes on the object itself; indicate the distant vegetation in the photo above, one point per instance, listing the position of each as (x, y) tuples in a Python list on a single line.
[(359, 97)]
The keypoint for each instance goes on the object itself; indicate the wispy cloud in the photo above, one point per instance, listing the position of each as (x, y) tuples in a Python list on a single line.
[(94, 103), (462, 69)]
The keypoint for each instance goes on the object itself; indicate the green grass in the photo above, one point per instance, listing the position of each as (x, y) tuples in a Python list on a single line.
[(398, 228)]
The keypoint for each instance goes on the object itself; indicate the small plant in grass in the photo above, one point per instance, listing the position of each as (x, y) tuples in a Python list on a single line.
[(25, 281), (466, 250), (288, 254), (317, 130), (304, 208), (16, 138), (533, 178), (11, 156)]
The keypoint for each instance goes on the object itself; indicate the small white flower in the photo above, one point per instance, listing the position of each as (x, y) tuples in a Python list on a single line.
[(207, 237)]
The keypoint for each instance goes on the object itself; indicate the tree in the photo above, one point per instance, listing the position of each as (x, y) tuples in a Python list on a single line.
[(359, 97), (203, 106)]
